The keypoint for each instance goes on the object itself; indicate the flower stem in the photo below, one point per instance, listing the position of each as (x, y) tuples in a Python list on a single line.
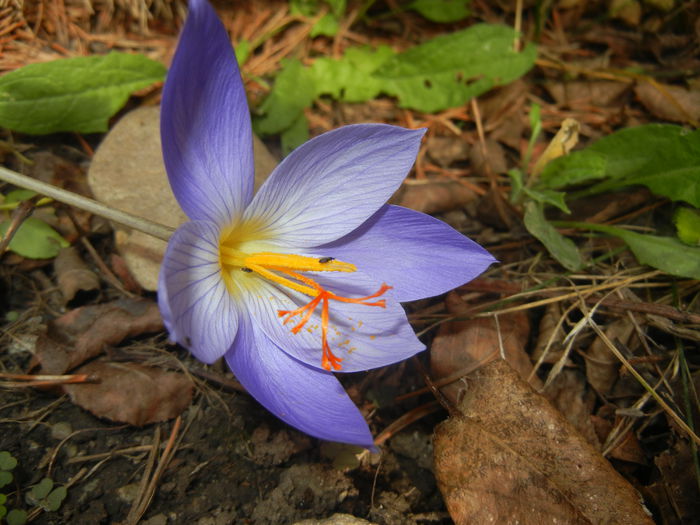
[(154, 229)]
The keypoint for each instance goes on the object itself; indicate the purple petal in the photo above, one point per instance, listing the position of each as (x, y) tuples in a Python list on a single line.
[(199, 311), (364, 337), (418, 255), (332, 184), (205, 123), (311, 400)]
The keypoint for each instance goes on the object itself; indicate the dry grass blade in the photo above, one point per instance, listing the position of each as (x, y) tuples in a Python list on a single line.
[(148, 486), (671, 413)]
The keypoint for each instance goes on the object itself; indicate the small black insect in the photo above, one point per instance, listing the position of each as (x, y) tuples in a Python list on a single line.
[(188, 341), (324, 260), (245, 269)]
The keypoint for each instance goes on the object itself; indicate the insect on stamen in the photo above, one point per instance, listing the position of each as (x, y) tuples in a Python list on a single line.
[(326, 260)]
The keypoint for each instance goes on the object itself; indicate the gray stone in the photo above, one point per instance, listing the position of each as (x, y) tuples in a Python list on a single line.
[(127, 173)]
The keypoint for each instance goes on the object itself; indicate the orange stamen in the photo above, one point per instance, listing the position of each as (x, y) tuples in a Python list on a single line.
[(283, 270), (328, 359)]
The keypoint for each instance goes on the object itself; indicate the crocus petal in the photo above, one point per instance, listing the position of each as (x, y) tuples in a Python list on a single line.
[(194, 295), (418, 255), (205, 123), (311, 400), (364, 337), (332, 184)]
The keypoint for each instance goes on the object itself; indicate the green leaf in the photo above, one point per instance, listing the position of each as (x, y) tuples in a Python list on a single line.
[(35, 239), (242, 52), (663, 157), (303, 7), (295, 135), (5, 478), (18, 196), (40, 490), (73, 94), (516, 184), (553, 198), (561, 248), (337, 7), (575, 168), (7, 460), (350, 78), (55, 498), (16, 517), (327, 25), (442, 10), (451, 69), (293, 91), (664, 253), (3, 509), (688, 225)]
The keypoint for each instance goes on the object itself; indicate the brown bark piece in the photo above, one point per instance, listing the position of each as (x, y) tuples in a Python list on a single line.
[(513, 458), (131, 393), (83, 333)]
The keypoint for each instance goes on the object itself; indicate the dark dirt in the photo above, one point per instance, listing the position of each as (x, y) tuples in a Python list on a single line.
[(235, 463)]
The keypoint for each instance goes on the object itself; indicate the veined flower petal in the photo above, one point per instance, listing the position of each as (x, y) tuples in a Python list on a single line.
[(332, 184), (420, 256), (193, 296), (363, 336), (205, 123), (313, 401)]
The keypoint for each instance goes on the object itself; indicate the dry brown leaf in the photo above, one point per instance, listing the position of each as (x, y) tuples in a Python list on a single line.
[(672, 103), (602, 367), (461, 345), (448, 149), (586, 93), (434, 196), (568, 393), (676, 492), (73, 275), (494, 161), (550, 335), (513, 458), (131, 393), (83, 333)]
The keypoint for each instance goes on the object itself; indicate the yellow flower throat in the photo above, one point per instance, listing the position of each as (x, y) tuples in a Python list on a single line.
[(284, 269)]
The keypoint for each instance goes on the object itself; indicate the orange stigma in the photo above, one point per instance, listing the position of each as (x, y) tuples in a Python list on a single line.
[(283, 269)]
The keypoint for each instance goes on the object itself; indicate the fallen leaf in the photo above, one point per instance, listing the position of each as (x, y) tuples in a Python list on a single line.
[(73, 275), (602, 367), (131, 393), (83, 333), (676, 490), (492, 161), (548, 346), (513, 458), (448, 149), (433, 196), (568, 393), (673, 103), (463, 345), (581, 93)]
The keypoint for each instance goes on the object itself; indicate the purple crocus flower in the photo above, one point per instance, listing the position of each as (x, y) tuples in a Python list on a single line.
[(306, 277)]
